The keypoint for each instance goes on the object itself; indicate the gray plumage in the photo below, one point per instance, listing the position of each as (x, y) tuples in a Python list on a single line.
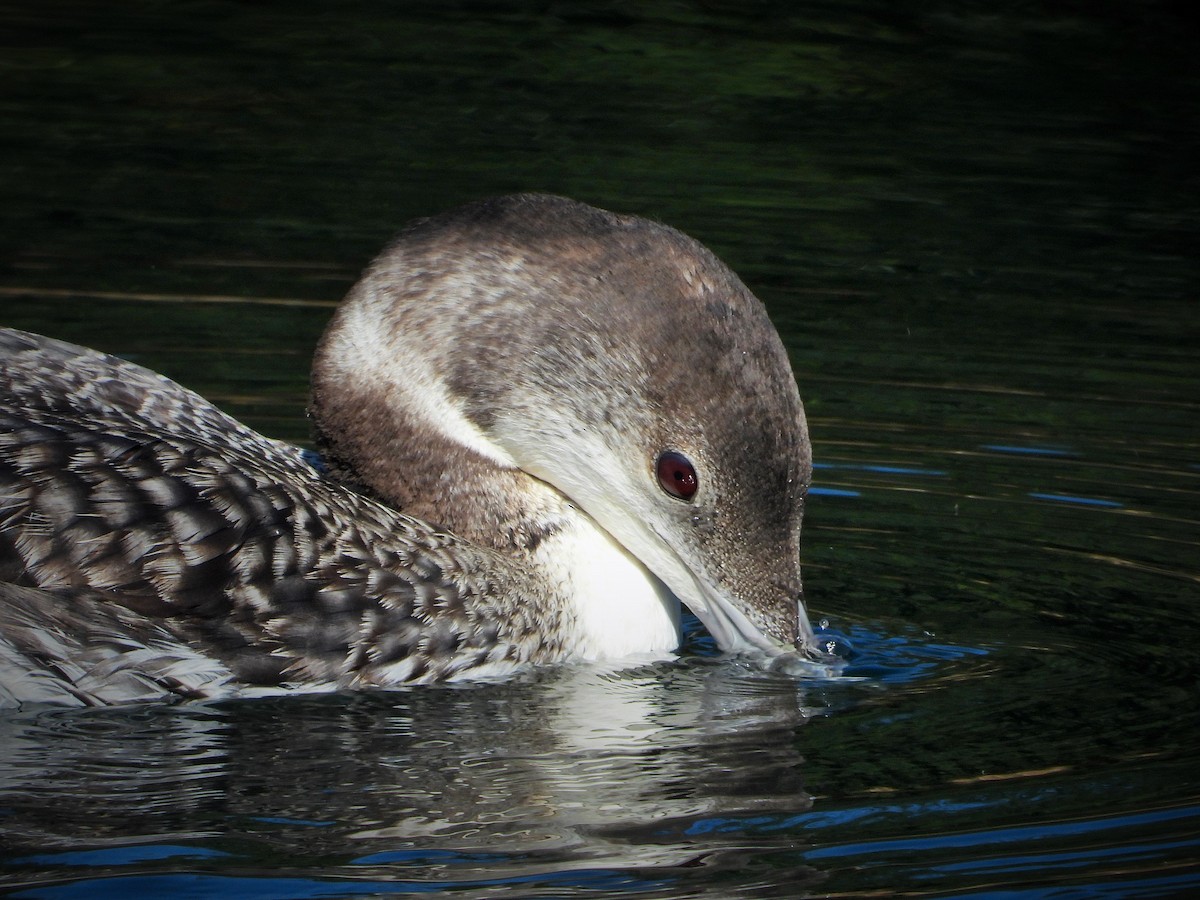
[(131, 499), (151, 545)]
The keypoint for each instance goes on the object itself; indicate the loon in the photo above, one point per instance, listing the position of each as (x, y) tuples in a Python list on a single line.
[(542, 426)]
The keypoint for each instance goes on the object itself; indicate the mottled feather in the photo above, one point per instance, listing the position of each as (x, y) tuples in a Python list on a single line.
[(491, 399), (124, 495)]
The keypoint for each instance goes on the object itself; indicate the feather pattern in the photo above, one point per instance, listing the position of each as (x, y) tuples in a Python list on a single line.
[(492, 399), (124, 495)]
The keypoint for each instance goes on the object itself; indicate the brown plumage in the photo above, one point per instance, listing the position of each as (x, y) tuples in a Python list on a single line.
[(151, 545)]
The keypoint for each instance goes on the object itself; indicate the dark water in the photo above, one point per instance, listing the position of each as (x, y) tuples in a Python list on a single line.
[(976, 229)]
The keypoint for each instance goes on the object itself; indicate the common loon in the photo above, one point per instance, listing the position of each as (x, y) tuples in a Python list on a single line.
[(542, 425)]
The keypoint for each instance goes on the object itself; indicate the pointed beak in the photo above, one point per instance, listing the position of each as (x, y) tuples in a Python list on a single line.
[(735, 633)]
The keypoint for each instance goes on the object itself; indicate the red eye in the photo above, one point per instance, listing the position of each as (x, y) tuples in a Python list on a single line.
[(677, 475)]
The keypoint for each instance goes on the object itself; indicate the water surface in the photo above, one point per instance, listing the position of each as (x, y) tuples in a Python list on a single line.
[(975, 229)]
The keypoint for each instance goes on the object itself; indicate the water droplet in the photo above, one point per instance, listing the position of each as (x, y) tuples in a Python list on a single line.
[(837, 645)]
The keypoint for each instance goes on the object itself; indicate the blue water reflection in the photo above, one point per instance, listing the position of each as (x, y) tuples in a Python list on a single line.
[(897, 658), (1057, 831), (816, 491), (1163, 842), (118, 856), (1078, 501), (1029, 451), (276, 888)]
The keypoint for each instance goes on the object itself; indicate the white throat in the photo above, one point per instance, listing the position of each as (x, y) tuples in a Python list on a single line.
[(621, 610)]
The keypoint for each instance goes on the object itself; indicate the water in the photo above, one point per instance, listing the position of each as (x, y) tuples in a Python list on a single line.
[(976, 229)]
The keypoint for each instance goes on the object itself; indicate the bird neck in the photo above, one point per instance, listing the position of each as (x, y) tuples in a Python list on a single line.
[(618, 608)]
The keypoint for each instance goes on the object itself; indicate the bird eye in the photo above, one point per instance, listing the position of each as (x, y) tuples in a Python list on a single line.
[(677, 475)]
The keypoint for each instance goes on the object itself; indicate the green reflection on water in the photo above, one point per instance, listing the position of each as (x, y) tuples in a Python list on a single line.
[(974, 228)]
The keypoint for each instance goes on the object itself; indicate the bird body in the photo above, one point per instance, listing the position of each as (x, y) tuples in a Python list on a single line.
[(501, 403)]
